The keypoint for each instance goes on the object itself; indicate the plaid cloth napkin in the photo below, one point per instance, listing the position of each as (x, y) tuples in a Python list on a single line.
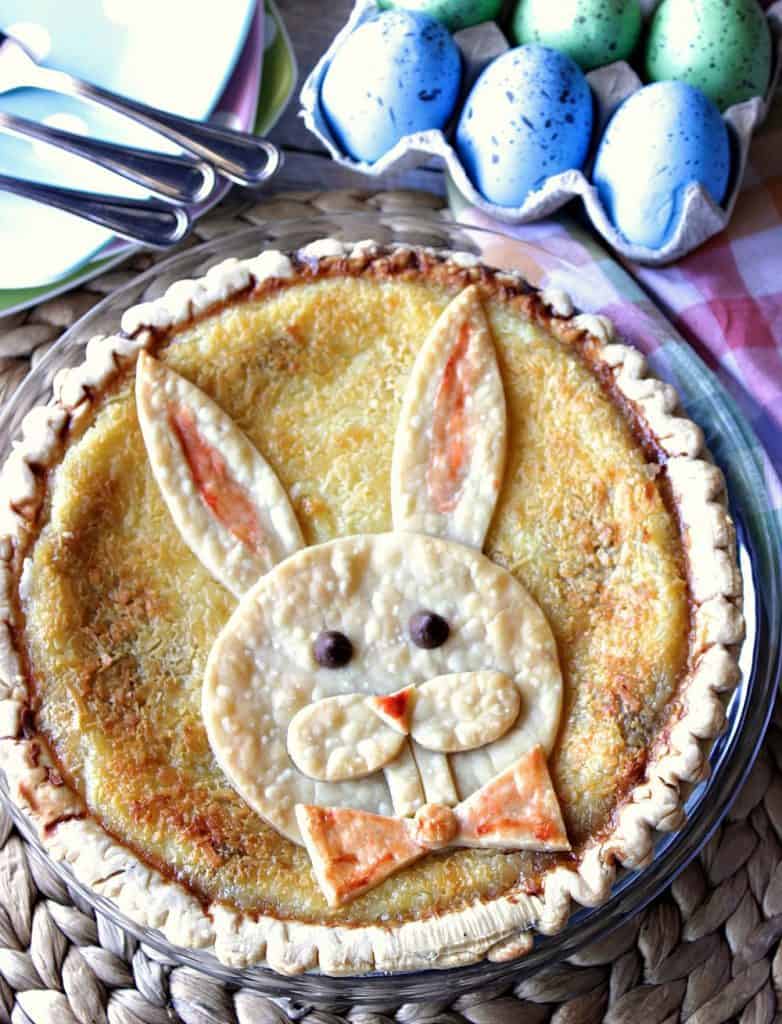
[(724, 300), (726, 297)]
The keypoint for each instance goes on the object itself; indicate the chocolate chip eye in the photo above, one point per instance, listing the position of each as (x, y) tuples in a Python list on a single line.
[(332, 649), (428, 630)]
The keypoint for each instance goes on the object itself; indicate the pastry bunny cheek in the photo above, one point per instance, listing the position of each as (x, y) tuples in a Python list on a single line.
[(379, 673)]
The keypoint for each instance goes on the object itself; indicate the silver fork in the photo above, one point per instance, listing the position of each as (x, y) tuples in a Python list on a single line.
[(142, 220), (243, 158), (175, 178)]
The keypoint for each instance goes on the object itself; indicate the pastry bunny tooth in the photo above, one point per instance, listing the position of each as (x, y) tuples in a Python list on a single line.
[(449, 451), (404, 782), (223, 496), (436, 776)]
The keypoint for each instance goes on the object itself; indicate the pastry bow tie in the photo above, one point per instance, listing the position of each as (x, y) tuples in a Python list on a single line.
[(353, 851)]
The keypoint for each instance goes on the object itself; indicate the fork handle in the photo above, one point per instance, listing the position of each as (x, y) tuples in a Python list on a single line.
[(176, 178), (142, 220), (243, 158)]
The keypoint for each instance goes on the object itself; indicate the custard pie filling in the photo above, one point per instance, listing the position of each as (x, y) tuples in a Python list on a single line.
[(362, 600)]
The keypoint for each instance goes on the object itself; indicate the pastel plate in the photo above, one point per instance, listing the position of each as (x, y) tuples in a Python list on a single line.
[(270, 47), (161, 53)]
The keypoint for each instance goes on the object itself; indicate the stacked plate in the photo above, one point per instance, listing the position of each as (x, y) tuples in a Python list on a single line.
[(235, 67)]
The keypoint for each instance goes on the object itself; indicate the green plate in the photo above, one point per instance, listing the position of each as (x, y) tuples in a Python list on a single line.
[(280, 71)]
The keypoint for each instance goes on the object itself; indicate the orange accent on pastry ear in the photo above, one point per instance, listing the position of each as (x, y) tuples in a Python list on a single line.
[(227, 501), (352, 851), (449, 456), (516, 810)]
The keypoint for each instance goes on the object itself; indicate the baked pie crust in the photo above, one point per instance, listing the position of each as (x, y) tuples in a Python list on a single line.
[(378, 766)]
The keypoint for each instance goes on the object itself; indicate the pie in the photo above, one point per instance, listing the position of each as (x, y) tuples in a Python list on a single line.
[(362, 609)]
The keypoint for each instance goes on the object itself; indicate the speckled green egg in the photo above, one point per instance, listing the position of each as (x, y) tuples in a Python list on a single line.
[(454, 14), (591, 32), (724, 49)]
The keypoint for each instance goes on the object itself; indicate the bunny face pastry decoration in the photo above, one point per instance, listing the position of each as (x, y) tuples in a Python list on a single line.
[(375, 697)]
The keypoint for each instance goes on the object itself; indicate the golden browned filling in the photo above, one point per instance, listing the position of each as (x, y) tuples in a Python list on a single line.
[(121, 616)]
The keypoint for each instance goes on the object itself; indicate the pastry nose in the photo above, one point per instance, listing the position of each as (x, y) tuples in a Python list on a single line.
[(352, 735)]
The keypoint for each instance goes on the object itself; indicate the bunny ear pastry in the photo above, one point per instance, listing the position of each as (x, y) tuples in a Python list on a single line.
[(225, 499), (449, 451)]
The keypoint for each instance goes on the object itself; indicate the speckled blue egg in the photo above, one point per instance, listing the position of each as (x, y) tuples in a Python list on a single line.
[(662, 139), (528, 117), (397, 74)]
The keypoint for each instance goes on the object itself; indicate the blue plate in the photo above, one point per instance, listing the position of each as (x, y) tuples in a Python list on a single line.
[(163, 52)]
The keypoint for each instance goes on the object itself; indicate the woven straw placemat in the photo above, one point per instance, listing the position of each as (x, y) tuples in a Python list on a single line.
[(707, 951)]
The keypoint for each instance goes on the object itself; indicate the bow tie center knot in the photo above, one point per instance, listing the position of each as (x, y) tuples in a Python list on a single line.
[(435, 825)]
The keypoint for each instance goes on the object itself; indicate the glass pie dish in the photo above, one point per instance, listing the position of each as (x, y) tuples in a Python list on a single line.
[(759, 552)]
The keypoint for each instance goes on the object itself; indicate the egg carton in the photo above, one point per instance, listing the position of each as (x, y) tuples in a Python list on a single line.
[(701, 217)]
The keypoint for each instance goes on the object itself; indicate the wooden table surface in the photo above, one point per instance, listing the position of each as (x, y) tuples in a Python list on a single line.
[(312, 25)]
